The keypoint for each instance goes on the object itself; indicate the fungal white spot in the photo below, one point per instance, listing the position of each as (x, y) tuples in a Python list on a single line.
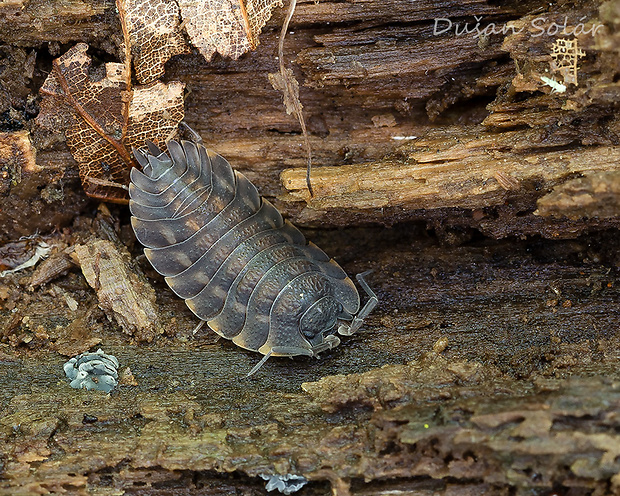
[(93, 371), (286, 484), (403, 138)]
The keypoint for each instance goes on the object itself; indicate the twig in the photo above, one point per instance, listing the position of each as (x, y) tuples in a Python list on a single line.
[(126, 95), (291, 93)]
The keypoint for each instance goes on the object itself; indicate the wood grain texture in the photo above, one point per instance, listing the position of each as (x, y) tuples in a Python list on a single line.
[(373, 71)]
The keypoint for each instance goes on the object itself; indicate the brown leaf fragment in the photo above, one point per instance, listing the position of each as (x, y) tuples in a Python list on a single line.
[(94, 101), (122, 293), (258, 13), (596, 195), (229, 27), (155, 36), (289, 87), (100, 130)]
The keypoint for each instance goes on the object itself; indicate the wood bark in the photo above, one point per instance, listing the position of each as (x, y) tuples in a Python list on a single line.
[(372, 74)]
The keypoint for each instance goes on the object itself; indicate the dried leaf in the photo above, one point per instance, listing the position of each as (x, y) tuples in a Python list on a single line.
[(56, 265), (229, 27), (155, 112), (154, 28), (99, 135), (21, 254), (289, 87)]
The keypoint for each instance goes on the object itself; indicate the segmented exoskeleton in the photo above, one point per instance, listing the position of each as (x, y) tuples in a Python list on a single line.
[(239, 266)]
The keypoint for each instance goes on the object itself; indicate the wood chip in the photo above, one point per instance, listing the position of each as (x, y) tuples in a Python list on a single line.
[(123, 294)]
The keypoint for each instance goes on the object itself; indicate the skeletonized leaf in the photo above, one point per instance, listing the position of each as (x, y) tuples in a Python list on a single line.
[(154, 112), (229, 27), (154, 28), (98, 135), (95, 108)]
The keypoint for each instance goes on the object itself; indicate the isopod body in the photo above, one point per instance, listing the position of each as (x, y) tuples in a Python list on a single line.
[(239, 266)]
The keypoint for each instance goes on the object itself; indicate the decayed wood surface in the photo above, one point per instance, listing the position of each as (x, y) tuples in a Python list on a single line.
[(476, 171), (121, 292), (370, 73), (489, 367)]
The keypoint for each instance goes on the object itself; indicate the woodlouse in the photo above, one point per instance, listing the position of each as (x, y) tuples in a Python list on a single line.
[(239, 266)]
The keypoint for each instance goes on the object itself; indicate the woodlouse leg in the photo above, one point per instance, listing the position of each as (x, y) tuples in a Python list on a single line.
[(198, 327), (281, 350), (358, 320), (328, 343)]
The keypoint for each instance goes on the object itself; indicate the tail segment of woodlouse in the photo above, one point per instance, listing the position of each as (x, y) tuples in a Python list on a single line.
[(239, 266)]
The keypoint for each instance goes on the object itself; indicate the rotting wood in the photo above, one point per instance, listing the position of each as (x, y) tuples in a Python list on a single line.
[(438, 172), (365, 81), (561, 430), (35, 196), (121, 291), (537, 310), (596, 195), (519, 317)]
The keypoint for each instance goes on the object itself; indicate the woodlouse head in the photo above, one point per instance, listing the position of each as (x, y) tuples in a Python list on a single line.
[(320, 318)]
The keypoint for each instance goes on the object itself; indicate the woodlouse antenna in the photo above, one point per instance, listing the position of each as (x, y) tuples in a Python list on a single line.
[(358, 320)]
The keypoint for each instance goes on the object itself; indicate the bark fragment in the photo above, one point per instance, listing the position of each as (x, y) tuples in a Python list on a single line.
[(122, 293), (596, 195)]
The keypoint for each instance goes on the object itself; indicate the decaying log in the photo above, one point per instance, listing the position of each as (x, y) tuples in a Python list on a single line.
[(490, 366), (522, 381), (472, 173), (366, 81), (547, 433)]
